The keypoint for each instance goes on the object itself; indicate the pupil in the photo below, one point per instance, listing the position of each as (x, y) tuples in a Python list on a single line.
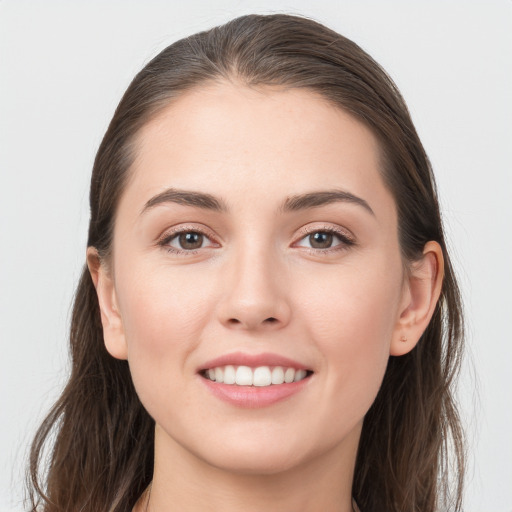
[(191, 240), (320, 240)]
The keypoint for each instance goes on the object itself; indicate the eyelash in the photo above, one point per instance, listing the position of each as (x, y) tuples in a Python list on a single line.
[(168, 237), (346, 241)]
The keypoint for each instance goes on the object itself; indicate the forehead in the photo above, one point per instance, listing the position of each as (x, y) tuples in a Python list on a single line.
[(228, 139)]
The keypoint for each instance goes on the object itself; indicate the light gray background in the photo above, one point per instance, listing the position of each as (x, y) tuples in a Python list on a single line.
[(63, 68)]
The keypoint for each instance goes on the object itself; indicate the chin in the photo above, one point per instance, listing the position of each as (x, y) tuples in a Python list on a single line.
[(249, 454), (260, 462)]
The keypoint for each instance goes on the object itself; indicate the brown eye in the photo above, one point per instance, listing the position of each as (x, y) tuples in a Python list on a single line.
[(326, 240), (321, 240), (190, 240), (187, 240)]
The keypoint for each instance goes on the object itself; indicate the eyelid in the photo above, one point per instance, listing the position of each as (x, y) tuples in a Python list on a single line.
[(347, 239), (174, 231), (346, 236)]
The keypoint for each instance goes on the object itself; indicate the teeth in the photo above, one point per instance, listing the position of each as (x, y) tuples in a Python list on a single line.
[(262, 376), (219, 374), (277, 375), (243, 376), (229, 375), (289, 375), (299, 375)]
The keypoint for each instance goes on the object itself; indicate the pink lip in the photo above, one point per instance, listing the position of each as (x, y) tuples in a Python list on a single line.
[(253, 361), (251, 397)]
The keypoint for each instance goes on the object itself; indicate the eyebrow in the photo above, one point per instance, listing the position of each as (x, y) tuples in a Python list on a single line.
[(291, 204), (322, 198), (186, 198)]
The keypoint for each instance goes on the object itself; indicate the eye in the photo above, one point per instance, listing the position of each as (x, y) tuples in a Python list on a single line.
[(187, 240), (324, 239)]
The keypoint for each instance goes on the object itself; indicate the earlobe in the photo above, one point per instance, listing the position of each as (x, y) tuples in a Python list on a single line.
[(421, 293), (111, 320)]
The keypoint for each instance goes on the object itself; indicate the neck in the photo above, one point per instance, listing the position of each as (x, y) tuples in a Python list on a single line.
[(185, 482)]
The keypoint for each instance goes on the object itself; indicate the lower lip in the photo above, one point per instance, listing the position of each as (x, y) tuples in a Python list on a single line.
[(253, 397)]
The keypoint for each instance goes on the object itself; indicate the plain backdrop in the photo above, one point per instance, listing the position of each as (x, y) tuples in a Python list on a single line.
[(63, 68)]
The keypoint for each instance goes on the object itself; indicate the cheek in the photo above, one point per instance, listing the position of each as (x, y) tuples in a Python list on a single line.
[(352, 317), (161, 307), (355, 303), (163, 313)]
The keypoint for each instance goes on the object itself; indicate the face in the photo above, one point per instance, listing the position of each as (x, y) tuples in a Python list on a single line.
[(257, 243)]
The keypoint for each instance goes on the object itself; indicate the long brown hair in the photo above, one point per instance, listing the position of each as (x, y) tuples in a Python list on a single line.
[(100, 438)]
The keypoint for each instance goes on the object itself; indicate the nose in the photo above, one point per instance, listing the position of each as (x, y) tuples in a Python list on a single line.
[(254, 295)]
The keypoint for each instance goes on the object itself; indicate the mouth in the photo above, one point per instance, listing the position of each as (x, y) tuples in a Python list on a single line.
[(255, 380), (259, 376)]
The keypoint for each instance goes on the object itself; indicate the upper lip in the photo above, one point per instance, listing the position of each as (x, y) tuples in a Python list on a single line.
[(253, 361)]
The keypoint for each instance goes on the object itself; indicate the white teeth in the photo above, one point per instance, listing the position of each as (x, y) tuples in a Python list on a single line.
[(243, 376), (277, 375), (229, 375), (219, 374), (289, 375), (299, 375), (261, 376)]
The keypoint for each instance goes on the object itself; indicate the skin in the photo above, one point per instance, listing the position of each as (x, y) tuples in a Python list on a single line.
[(257, 286)]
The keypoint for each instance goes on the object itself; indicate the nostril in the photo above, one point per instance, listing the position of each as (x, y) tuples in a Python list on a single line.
[(251, 323), (234, 321)]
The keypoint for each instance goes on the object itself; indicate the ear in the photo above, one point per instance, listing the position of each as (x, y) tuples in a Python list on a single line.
[(422, 289), (113, 332)]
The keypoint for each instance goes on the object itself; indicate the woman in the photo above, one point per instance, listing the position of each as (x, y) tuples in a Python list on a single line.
[(268, 319)]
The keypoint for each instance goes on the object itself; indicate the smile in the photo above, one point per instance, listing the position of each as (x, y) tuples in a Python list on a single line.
[(254, 380), (261, 376)]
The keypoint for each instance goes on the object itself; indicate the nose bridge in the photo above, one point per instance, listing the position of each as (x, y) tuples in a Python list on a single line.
[(255, 296)]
